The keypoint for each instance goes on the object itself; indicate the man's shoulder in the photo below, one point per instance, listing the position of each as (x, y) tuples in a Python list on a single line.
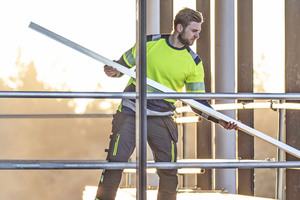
[(156, 37), (194, 55)]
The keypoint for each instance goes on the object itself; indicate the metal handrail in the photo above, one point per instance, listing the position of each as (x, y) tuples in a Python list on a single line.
[(133, 95), (55, 115), (77, 164)]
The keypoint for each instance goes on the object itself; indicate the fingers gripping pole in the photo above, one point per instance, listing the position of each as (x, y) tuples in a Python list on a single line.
[(193, 103)]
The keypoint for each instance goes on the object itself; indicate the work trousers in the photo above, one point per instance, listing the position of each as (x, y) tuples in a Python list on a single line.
[(162, 134)]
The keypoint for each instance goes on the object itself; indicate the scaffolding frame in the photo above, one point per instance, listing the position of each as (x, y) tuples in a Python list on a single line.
[(141, 96), (96, 164)]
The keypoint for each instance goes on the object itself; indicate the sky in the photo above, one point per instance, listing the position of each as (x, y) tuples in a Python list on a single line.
[(268, 34), (98, 27), (107, 28)]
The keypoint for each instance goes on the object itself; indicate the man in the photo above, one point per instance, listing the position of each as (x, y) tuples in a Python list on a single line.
[(171, 62)]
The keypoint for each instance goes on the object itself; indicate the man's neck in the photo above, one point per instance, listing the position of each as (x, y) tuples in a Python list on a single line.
[(173, 40)]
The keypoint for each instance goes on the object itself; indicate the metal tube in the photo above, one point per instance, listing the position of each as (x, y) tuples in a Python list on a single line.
[(141, 106), (280, 155), (59, 165), (44, 94), (88, 115), (225, 141), (132, 95), (237, 96)]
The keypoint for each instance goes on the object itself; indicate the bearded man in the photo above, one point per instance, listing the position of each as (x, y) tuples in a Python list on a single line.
[(171, 62)]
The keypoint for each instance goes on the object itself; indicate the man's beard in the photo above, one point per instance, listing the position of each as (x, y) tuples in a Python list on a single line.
[(182, 40)]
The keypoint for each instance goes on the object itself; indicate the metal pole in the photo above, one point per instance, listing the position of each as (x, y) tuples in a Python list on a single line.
[(141, 89), (225, 141), (46, 94), (133, 95), (280, 155), (58, 115), (77, 165)]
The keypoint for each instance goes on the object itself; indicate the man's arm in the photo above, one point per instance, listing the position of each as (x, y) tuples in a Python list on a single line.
[(225, 125)]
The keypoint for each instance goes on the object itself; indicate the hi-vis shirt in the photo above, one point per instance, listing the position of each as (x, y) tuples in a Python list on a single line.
[(169, 66)]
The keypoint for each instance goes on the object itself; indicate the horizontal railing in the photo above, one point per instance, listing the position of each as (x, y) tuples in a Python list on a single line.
[(77, 164), (55, 115), (133, 95)]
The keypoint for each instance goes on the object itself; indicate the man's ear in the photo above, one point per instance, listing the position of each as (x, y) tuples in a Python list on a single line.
[(179, 28)]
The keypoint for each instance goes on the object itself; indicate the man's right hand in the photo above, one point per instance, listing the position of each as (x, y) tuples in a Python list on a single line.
[(228, 125)]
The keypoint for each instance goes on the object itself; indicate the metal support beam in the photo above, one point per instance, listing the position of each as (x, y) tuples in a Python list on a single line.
[(57, 115), (292, 68), (89, 164), (132, 95), (280, 156), (225, 141), (141, 106)]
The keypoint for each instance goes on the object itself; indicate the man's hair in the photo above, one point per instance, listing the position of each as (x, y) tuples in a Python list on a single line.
[(187, 15)]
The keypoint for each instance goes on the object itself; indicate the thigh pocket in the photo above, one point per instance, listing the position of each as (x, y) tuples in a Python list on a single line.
[(117, 122), (172, 127)]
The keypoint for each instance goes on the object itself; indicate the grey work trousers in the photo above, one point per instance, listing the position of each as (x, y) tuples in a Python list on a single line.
[(162, 134)]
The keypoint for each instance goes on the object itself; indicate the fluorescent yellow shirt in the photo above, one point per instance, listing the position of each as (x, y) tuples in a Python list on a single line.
[(169, 66)]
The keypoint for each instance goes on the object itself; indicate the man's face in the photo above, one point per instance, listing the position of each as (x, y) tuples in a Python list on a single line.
[(188, 35)]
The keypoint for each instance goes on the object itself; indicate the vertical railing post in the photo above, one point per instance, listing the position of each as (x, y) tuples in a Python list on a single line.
[(280, 155), (141, 89)]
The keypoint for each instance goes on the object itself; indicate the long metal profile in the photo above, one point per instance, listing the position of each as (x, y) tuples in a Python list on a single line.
[(162, 88), (55, 115), (74, 165), (132, 95), (141, 101)]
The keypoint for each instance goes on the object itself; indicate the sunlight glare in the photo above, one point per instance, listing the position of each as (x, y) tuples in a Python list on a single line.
[(93, 24)]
